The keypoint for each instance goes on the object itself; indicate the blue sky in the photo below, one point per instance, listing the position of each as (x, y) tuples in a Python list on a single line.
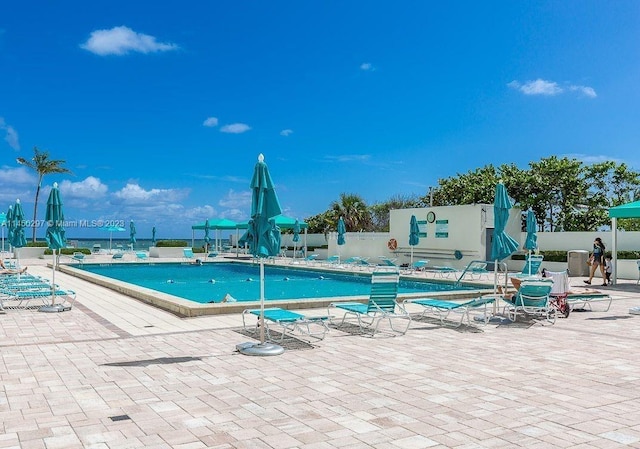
[(160, 109)]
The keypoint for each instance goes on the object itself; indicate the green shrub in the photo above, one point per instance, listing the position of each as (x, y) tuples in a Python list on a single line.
[(172, 244), (68, 251), (38, 244)]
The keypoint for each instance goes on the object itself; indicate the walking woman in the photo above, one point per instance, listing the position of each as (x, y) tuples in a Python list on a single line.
[(597, 260)]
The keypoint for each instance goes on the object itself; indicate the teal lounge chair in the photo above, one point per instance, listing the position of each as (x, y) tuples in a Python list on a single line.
[(531, 266), (141, 255), (442, 308), (332, 260), (310, 258), (290, 323), (188, 253), (531, 299), (382, 304), (388, 262), (118, 255), (78, 257)]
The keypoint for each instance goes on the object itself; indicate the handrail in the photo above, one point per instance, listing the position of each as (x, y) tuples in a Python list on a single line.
[(502, 265)]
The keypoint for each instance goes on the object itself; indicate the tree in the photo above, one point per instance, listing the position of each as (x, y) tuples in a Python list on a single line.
[(42, 165), (380, 211), (354, 211)]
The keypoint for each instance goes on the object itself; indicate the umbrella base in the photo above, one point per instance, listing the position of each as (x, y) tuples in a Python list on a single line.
[(54, 309), (260, 349)]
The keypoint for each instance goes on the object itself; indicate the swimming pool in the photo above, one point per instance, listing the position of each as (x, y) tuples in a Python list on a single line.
[(211, 282)]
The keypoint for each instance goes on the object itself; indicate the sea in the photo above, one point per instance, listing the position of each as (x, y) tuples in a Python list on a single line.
[(140, 245)]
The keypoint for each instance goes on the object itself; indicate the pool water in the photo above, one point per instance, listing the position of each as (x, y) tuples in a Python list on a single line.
[(211, 282)]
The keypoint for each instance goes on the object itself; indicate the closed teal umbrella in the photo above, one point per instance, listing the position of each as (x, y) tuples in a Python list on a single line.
[(56, 240), (132, 234), (531, 242), (18, 240), (263, 237), (502, 245), (341, 232), (296, 237), (153, 236), (3, 223), (10, 224), (414, 235), (206, 235)]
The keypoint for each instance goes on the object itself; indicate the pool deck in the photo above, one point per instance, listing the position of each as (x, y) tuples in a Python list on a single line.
[(115, 372)]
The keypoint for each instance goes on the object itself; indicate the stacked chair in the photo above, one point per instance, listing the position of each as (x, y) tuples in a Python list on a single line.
[(20, 291)]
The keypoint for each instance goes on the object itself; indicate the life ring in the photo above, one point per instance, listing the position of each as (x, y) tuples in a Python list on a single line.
[(392, 244)]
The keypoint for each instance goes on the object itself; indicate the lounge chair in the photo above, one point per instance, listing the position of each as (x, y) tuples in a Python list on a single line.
[(576, 299), (478, 270), (78, 257), (310, 258), (332, 260), (291, 324), (141, 255), (443, 271), (118, 255), (382, 304), (442, 308), (388, 262), (531, 266), (531, 299), (23, 298), (418, 265), (188, 253)]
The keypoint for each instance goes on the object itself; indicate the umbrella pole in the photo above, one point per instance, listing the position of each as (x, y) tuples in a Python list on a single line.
[(53, 279), (261, 301), (495, 286), (411, 266), (529, 262)]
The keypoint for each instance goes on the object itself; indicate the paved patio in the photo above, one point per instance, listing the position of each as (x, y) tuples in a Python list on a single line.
[(116, 373)]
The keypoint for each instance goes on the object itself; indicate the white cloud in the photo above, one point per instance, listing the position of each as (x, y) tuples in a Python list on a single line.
[(286, 132), (366, 66), (537, 87), (89, 188), (584, 90), (235, 128), (11, 136), (201, 213), (550, 88), (133, 194), (349, 158), (122, 40), (236, 200), (10, 176), (210, 122)]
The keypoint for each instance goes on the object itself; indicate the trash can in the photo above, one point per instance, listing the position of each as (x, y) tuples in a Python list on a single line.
[(577, 262)]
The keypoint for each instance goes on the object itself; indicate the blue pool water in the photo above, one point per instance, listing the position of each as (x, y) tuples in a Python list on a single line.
[(212, 281)]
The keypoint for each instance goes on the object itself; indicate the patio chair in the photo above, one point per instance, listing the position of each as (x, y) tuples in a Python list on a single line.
[(382, 304), (118, 255), (442, 308), (443, 272), (418, 265), (290, 323), (531, 299), (141, 255)]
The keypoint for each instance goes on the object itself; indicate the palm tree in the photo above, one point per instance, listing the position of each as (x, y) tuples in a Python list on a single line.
[(354, 211), (43, 166)]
